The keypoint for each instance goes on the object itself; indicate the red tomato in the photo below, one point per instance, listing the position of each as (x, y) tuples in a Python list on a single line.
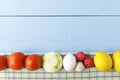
[(3, 63), (16, 60), (33, 62)]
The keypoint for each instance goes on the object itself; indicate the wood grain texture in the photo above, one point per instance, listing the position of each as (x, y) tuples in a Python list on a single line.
[(59, 34), (61, 7)]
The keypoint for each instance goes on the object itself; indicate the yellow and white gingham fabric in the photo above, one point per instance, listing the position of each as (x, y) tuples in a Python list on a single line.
[(40, 74)]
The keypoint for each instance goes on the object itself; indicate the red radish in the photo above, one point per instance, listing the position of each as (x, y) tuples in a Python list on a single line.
[(80, 56), (89, 62)]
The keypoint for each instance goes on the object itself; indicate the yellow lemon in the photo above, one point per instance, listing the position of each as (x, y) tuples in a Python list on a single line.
[(103, 61), (116, 60)]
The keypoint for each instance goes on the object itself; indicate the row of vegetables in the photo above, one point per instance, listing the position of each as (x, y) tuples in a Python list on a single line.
[(53, 61)]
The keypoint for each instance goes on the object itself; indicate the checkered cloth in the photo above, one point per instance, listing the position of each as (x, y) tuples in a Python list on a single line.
[(40, 74)]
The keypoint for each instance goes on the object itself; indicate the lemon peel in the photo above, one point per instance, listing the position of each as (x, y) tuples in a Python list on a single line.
[(103, 61), (116, 60)]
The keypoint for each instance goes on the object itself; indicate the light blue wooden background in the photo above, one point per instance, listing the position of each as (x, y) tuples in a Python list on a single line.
[(87, 25)]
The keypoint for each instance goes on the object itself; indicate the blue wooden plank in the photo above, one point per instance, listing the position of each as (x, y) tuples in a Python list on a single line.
[(60, 7), (59, 34)]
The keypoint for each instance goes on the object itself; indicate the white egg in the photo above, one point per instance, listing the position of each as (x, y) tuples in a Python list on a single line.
[(69, 62)]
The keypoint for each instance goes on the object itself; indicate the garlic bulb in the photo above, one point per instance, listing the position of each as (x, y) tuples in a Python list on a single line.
[(79, 66)]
